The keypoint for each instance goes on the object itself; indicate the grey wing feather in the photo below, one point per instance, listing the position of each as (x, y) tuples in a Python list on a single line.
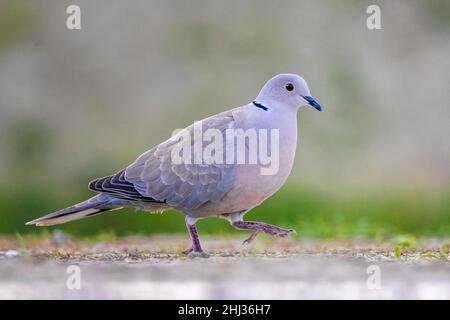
[(118, 187), (184, 186)]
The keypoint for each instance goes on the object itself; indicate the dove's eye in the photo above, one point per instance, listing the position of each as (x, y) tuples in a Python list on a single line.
[(289, 87)]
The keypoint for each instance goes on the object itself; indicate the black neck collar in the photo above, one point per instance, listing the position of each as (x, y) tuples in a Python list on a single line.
[(261, 106)]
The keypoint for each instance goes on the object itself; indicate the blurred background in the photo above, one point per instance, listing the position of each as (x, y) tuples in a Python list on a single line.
[(79, 104)]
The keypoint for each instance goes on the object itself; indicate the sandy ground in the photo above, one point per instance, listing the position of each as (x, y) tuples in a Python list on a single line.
[(154, 268)]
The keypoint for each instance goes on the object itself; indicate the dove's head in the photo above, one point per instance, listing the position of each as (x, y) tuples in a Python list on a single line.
[(286, 89)]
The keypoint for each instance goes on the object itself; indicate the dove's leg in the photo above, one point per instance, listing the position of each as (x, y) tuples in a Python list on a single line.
[(196, 247), (258, 227)]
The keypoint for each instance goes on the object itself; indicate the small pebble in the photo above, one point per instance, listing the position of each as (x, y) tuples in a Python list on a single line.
[(12, 253)]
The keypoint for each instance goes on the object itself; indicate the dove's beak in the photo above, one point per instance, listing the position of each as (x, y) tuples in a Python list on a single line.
[(313, 103)]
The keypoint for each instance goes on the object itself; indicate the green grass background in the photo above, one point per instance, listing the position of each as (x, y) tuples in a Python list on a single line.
[(315, 214)]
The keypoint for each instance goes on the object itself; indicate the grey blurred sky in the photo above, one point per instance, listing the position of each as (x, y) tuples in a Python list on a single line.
[(88, 102)]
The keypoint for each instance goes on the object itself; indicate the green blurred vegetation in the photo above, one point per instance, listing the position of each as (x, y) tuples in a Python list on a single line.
[(315, 214), (314, 211), (16, 23)]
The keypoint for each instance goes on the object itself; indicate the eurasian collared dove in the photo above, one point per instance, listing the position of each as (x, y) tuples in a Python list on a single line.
[(157, 180)]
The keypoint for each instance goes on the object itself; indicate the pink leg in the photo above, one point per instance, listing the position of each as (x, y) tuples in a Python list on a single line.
[(196, 249), (258, 227)]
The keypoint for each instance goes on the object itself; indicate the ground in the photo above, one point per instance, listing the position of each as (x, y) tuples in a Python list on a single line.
[(154, 268)]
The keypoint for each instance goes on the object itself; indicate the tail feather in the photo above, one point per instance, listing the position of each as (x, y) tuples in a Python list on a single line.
[(90, 207)]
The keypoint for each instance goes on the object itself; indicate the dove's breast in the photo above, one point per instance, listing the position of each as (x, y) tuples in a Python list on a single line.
[(251, 185)]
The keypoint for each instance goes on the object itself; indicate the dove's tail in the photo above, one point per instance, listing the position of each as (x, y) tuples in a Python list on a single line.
[(93, 206)]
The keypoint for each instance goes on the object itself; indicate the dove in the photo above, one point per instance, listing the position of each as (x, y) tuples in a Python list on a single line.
[(198, 187)]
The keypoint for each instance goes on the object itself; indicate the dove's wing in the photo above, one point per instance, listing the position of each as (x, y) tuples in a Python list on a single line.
[(118, 187), (184, 186)]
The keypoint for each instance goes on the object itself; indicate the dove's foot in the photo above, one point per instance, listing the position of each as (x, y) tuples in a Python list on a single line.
[(258, 227), (192, 254), (196, 254)]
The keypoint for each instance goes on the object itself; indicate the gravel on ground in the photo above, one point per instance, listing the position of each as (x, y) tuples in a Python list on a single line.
[(155, 268)]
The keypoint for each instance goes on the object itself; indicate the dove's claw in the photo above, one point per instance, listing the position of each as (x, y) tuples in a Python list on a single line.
[(190, 253), (251, 238), (285, 232), (198, 254)]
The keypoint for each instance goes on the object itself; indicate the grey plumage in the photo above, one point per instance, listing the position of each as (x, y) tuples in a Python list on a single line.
[(155, 182), (182, 186), (95, 205)]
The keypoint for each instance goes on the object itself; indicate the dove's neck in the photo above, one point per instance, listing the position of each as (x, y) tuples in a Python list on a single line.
[(278, 117), (284, 119), (265, 102), (279, 122), (274, 114), (268, 116)]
